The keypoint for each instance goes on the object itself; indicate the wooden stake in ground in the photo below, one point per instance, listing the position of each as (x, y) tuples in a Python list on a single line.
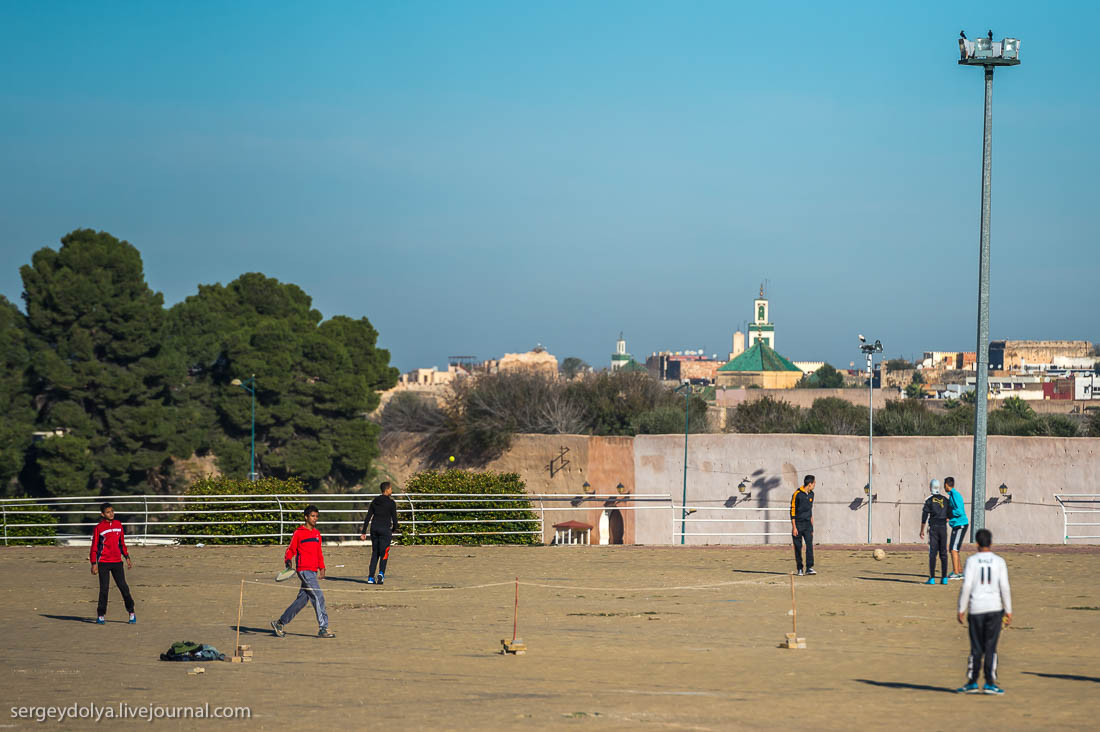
[(792, 640), (516, 645), (240, 607), (794, 610)]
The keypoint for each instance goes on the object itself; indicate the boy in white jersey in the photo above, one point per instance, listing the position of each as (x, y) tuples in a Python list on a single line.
[(987, 599)]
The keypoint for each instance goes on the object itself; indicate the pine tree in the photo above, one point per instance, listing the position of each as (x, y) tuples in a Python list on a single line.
[(99, 369), (314, 381), (15, 397)]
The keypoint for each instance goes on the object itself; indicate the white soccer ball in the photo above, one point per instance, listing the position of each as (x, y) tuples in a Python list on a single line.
[(879, 555)]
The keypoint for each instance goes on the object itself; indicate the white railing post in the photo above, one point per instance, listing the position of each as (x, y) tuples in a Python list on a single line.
[(5, 510), (145, 528), (280, 503)]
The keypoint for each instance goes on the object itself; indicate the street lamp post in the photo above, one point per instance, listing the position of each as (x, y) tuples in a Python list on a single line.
[(249, 385), (869, 350), (686, 388), (987, 54)]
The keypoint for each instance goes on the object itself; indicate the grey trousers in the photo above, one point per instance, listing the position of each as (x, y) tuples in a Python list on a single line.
[(309, 593)]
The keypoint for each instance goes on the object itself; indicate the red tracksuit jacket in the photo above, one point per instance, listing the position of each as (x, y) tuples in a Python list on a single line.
[(306, 546), (108, 542)]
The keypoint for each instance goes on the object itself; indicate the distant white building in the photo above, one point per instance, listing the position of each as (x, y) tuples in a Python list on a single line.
[(808, 367)]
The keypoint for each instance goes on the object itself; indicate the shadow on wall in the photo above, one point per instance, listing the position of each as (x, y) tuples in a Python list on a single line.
[(765, 485)]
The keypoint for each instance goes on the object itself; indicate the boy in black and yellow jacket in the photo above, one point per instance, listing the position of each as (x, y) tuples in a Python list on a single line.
[(802, 524)]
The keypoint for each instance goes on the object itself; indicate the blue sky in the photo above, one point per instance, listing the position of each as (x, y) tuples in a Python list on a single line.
[(476, 177)]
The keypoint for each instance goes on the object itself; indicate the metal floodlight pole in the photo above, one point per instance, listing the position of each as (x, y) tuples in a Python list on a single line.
[(687, 423), (870, 440), (870, 349), (252, 391), (984, 57)]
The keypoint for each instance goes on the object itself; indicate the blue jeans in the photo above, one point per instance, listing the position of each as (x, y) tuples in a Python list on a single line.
[(309, 593)]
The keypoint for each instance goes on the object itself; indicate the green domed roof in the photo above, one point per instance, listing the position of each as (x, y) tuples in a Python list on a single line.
[(760, 357)]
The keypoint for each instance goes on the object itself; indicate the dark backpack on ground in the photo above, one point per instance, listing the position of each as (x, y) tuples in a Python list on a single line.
[(190, 651)]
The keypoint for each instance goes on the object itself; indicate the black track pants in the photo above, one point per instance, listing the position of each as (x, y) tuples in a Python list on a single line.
[(105, 572), (805, 533), (937, 546), (985, 631), (380, 549)]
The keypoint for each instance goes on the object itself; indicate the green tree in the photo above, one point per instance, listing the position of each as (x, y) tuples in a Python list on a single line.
[(573, 367), (914, 391), (1092, 425), (1017, 407), (826, 377), (898, 364), (314, 384), (99, 370), (1054, 425), (15, 396), (904, 417), (766, 415), (835, 416)]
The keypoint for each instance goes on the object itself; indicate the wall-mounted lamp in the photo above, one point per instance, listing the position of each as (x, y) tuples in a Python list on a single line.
[(743, 488), (867, 492), (620, 489), (690, 511), (587, 488), (1004, 492)]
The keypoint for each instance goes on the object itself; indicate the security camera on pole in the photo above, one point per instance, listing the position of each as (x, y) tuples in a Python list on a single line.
[(869, 350)]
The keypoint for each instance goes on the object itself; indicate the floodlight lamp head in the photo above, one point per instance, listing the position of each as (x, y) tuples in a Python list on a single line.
[(862, 339), (235, 382), (878, 346)]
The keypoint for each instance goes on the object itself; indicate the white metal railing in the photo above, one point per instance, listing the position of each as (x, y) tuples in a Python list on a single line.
[(1079, 503), (733, 516), (171, 518)]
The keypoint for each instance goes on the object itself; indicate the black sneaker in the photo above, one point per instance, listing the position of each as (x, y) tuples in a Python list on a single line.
[(279, 632), (381, 577), (325, 633), (811, 570)]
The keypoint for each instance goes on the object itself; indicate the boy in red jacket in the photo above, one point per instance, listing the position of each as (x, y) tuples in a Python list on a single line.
[(306, 546), (108, 549)]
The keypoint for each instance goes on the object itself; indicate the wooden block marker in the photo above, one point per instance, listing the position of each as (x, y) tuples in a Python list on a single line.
[(792, 640)]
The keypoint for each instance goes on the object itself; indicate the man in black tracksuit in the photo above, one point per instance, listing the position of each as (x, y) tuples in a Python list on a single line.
[(381, 522), (802, 524), (936, 511)]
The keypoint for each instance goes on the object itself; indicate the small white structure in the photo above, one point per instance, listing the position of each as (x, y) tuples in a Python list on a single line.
[(572, 532)]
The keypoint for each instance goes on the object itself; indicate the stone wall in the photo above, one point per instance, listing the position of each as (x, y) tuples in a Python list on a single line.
[(1033, 469), (1018, 353)]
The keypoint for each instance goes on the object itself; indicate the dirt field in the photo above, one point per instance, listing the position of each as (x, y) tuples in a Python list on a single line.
[(884, 651)]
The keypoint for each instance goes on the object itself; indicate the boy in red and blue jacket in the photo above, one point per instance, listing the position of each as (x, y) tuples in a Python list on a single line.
[(305, 547), (108, 550)]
